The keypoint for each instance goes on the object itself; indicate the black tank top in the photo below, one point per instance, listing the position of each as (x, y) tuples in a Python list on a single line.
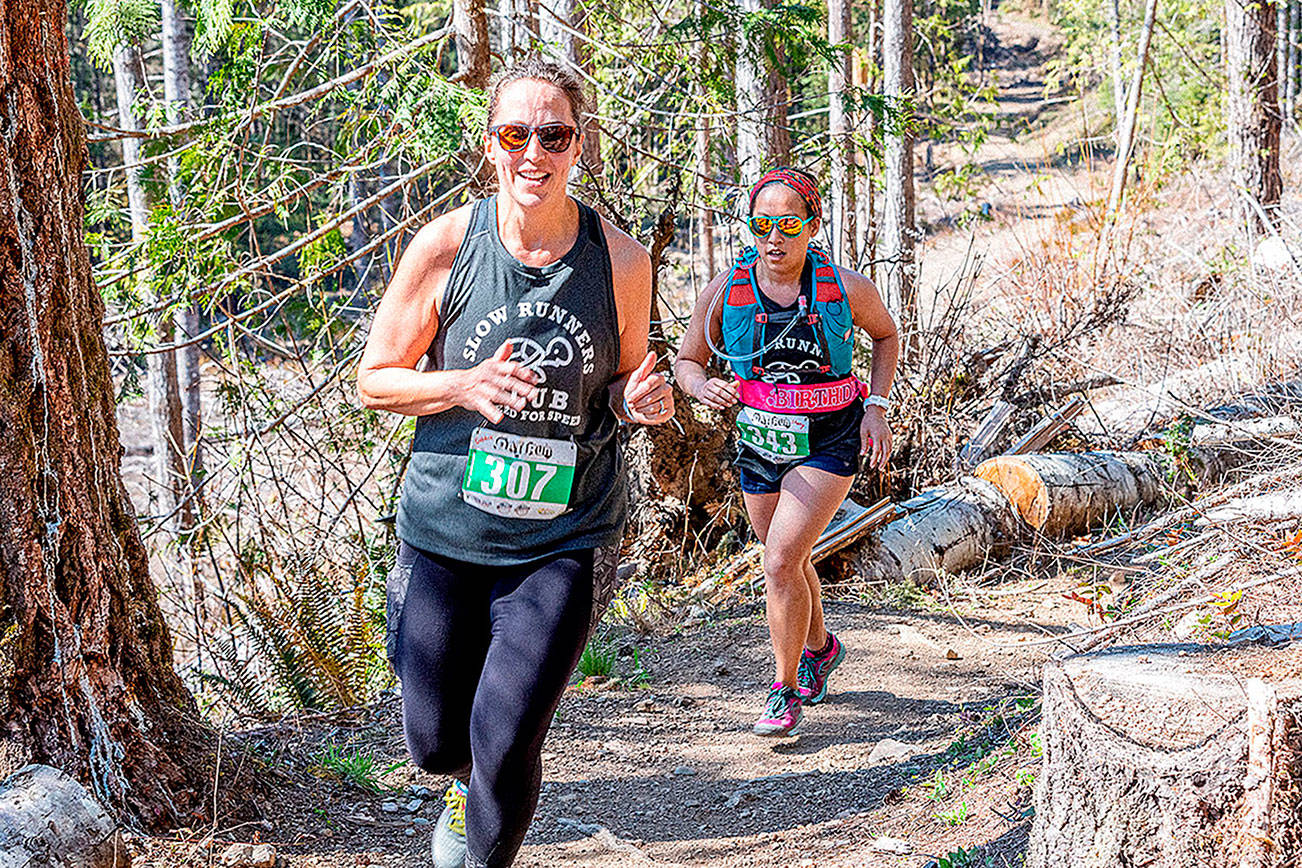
[(562, 322)]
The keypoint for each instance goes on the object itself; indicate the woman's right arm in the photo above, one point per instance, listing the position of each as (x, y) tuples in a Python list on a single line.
[(405, 324), (694, 353)]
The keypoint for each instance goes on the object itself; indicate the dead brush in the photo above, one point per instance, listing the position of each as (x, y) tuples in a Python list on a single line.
[(990, 336)]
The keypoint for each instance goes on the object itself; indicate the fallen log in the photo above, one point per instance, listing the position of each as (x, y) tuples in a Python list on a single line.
[(1275, 506), (47, 819), (1156, 755), (1247, 429), (1066, 493), (948, 528)]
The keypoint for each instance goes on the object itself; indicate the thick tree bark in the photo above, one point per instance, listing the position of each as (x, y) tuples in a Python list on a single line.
[(897, 222), (86, 677), (1153, 755), (162, 384), (840, 28), (1252, 109)]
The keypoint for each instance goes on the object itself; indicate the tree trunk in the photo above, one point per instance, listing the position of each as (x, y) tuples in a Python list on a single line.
[(897, 220), (866, 77), (762, 137), (705, 215), (1290, 77), (704, 169), (1281, 48), (1126, 135), (48, 819), (563, 25), (1114, 58), (1154, 756), (1252, 109), (176, 93), (840, 28), (164, 390), (471, 26), (518, 21), (86, 677)]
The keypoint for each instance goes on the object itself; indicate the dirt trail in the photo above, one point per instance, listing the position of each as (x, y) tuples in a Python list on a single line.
[(666, 772), (677, 777)]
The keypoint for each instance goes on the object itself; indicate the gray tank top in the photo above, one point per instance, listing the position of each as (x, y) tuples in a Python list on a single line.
[(496, 493)]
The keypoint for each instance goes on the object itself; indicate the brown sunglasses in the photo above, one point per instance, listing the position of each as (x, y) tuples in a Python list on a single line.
[(555, 138)]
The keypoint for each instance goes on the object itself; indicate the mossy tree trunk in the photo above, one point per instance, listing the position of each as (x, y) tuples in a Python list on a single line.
[(86, 677)]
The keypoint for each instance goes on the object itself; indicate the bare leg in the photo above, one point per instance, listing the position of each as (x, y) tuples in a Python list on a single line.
[(817, 636), (807, 502), (760, 508)]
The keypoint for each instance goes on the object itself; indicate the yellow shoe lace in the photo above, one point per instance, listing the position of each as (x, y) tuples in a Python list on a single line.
[(455, 799)]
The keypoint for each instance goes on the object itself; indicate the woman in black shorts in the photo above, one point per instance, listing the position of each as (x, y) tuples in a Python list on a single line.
[(783, 319), (534, 313)]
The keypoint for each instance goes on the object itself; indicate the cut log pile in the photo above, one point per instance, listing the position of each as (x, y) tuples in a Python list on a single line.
[(1020, 493)]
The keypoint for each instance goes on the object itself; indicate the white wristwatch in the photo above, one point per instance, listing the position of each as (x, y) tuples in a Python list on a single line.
[(878, 401)]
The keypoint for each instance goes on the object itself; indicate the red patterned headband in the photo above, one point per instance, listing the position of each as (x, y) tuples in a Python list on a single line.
[(796, 180)]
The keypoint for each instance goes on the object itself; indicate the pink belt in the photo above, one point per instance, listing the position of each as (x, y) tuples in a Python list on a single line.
[(823, 398)]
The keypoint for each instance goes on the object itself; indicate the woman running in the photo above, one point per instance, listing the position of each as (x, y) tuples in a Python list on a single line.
[(534, 313), (783, 318)]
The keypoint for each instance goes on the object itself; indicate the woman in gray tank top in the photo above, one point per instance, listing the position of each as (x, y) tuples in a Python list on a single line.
[(533, 312)]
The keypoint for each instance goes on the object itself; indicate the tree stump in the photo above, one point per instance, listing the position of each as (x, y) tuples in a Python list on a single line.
[(47, 819), (1167, 756)]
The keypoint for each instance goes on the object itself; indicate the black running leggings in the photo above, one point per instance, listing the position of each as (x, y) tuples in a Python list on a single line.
[(484, 654)]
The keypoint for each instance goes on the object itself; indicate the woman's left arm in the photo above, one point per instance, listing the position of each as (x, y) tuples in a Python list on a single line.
[(637, 394), (871, 315)]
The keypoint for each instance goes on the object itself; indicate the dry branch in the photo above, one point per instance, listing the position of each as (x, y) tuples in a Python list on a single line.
[(1048, 428)]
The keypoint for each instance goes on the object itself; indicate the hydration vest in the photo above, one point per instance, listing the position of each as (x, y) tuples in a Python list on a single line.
[(827, 313)]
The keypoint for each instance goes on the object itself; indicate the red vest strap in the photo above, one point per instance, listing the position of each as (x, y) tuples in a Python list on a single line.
[(740, 292), (825, 285)]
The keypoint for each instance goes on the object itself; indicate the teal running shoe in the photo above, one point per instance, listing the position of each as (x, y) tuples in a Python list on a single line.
[(811, 676)]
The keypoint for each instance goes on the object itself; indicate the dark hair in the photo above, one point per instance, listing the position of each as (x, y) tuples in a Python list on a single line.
[(540, 70)]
